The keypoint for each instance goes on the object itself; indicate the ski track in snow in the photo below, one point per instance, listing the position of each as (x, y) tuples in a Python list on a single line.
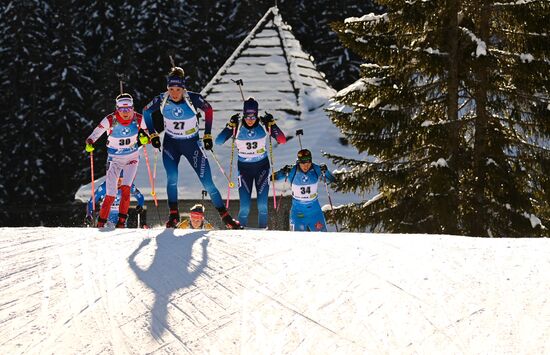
[(157, 291)]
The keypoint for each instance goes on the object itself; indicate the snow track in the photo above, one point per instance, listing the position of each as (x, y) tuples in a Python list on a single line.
[(162, 291)]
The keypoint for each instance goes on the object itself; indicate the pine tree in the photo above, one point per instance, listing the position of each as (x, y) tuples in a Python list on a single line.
[(339, 63), (23, 48), (450, 111), (165, 28), (66, 110)]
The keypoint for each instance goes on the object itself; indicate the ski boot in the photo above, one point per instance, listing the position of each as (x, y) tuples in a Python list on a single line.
[(101, 222), (229, 222), (173, 219), (121, 221)]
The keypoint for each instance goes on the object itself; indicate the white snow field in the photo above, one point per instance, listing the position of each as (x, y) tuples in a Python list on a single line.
[(158, 291)]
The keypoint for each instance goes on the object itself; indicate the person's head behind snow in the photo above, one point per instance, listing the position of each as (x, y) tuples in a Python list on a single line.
[(196, 215)]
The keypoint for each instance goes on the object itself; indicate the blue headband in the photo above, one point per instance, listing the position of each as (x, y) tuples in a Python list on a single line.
[(175, 81)]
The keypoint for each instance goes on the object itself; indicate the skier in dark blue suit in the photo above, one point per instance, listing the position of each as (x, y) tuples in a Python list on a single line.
[(304, 176), (181, 137), (253, 161)]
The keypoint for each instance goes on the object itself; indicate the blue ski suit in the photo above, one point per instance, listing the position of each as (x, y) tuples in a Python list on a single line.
[(253, 166), (100, 193), (181, 137), (305, 212)]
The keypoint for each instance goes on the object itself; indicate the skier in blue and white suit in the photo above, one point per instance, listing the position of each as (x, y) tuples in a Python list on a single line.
[(100, 193), (181, 137), (305, 213), (253, 161)]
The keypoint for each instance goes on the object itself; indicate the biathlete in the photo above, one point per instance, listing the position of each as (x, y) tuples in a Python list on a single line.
[(304, 176), (253, 162), (181, 138)]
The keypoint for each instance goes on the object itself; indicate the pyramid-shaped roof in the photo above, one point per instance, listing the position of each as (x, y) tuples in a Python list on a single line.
[(275, 71), (283, 79)]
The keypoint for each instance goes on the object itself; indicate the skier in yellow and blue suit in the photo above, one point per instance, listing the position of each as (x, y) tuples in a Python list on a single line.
[(304, 176)]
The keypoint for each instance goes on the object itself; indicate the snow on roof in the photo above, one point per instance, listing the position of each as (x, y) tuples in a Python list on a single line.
[(284, 80)]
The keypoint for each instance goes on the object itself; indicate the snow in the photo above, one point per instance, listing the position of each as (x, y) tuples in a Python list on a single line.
[(526, 57), (367, 18), (535, 221), (72, 290), (440, 163), (481, 48)]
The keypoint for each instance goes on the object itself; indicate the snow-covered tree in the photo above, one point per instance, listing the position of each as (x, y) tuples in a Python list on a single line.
[(24, 44), (339, 63), (452, 113), (65, 111), (110, 32)]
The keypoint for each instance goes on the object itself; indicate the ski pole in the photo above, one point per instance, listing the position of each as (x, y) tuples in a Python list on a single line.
[(230, 183), (281, 198), (155, 166), (329, 199), (272, 171), (151, 181), (93, 186), (239, 83), (300, 132)]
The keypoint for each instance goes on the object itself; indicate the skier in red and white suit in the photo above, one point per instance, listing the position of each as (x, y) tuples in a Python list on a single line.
[(126, 131)]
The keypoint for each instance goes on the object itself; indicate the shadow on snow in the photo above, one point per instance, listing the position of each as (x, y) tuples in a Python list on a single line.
[(169, 271)]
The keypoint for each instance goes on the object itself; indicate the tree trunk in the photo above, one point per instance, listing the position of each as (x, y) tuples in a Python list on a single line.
[(478, 220)]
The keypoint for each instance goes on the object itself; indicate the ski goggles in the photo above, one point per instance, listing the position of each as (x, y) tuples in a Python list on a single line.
[(125, 109), (196, 215)]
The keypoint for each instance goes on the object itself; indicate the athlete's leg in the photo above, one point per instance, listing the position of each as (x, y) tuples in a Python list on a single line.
[(197, 158), (113, 172), (262, 193), (246, 180), (316, 219), (297, 221), (171, 159)]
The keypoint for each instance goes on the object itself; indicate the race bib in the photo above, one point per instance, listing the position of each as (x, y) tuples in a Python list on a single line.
[(305, 192), (251, 148), (180, 121)]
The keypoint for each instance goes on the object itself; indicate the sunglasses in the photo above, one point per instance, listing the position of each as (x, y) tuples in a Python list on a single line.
[(125, 109)]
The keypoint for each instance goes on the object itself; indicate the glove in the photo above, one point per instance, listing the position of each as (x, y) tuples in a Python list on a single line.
[(89, 145), (155, 140), (139, 209), (286, 169), (234, 121), (207, 140), (143, 138), (323, 168), (268, 119)]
